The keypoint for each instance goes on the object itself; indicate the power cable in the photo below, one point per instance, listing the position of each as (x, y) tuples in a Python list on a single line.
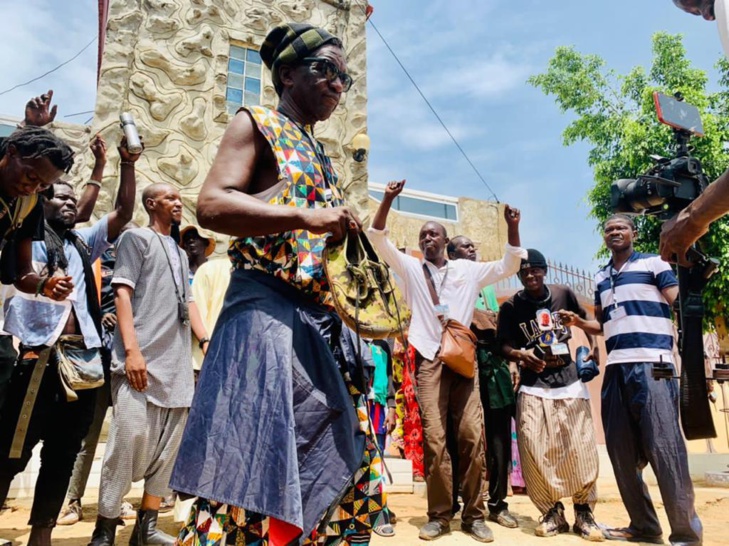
[(432, 108), (50, 71)]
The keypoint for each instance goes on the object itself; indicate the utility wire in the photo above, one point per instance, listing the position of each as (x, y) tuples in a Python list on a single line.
[(432, 109), (78, 114), (50, 71)]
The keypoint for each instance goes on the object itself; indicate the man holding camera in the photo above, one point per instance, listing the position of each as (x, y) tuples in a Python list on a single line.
[(633, 298), (553, 416)]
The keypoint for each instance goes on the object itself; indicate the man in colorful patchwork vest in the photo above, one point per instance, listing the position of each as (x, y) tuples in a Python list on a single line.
[(277, 447)]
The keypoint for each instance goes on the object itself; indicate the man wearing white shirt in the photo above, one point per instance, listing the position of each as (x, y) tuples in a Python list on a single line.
[(440, 390)]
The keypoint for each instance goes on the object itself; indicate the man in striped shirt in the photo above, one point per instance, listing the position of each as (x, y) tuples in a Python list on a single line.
[(633, 298)]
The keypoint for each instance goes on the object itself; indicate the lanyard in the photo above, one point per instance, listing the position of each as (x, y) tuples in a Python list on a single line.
[(613, 281), (180, 297)]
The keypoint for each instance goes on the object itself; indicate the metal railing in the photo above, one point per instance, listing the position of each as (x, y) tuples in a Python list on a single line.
[(580, 281)]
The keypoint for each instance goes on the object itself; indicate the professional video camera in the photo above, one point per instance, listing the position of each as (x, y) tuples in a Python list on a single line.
[(663, 191)]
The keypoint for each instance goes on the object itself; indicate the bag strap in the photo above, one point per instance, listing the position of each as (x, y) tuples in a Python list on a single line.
[(431, 285)]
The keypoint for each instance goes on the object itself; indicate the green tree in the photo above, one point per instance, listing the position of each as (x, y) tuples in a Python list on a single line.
[(616, 115)]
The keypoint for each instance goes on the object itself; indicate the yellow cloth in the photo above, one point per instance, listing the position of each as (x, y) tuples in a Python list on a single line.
[(208, 290)]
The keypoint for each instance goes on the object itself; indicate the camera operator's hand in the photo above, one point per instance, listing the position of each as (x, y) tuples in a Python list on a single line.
[(38, 112), (125, 154), (678, 234), (531, 361)]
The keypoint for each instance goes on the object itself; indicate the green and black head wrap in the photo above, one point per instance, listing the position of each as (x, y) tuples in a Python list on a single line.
[(291, 42)]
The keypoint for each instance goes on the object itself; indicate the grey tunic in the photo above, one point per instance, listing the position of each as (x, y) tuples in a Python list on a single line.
[(142, 263)]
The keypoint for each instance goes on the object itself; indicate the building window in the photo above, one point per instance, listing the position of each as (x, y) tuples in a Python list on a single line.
[(244, 78), (6, 129), (421, 207)]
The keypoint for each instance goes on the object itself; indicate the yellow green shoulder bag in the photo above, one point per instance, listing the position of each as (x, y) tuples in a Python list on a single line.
[(365, 294)]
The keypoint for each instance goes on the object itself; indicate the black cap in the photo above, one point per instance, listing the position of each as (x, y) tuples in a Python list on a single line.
[(534, 259)]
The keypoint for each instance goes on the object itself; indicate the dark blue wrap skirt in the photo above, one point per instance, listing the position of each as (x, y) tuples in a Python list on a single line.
[(272, 428)]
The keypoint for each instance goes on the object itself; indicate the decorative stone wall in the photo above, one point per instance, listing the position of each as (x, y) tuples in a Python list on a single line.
[(165, 61)]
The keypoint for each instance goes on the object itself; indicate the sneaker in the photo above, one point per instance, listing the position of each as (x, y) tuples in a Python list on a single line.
[(586, 527), (72, 514), (433, 530), (553, 522), (504, 518), (478, 530), (128, 511)]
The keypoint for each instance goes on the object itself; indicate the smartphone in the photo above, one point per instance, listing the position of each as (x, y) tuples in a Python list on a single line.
[(678, 114)]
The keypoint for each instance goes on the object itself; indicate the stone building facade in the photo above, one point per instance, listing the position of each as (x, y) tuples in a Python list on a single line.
[(168, 62)]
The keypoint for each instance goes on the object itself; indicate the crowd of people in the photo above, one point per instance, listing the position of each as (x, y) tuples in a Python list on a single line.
[(234, 384)]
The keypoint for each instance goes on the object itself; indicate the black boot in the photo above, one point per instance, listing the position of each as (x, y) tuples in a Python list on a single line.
[(145, 530), (104, 532), (40, 536)]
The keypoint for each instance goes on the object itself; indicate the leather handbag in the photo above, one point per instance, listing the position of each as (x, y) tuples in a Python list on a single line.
[(458, 342), (365, 294)]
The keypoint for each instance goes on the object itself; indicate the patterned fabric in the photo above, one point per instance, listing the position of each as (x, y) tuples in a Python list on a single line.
[(516, 478), (412, 425), (293, 256), (361, 508)]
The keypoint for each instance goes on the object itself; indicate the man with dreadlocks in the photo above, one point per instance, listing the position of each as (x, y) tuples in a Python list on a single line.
[(61, 319), (31, 159)]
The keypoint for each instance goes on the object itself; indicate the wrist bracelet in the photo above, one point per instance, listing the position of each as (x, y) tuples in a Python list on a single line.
[(40, 286), (203, 341), (94, 183), (127, 163)]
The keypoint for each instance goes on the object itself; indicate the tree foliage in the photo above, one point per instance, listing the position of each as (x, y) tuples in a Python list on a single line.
[(615, 114)]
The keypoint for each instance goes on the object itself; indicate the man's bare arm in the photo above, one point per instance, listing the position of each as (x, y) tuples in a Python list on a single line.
[(679, 233), (225, 206)]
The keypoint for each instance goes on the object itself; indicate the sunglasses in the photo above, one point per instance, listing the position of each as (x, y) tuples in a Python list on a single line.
[(330, 71)]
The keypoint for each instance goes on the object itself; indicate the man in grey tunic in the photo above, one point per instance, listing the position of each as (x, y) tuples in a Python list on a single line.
[(151, 371)]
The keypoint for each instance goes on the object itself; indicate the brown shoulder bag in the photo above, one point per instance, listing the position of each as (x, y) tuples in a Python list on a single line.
[(458, 343)]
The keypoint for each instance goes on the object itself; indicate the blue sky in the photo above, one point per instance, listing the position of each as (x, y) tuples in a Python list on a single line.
[(470, 57)]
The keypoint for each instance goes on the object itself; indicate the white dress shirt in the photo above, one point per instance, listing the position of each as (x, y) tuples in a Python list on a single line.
[(463, 283)]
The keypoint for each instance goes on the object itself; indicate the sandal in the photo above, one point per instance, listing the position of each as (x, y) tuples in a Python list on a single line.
[(385, 530), (626, 534)]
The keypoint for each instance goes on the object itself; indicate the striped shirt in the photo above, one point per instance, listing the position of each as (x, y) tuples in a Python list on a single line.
[(644, 332)]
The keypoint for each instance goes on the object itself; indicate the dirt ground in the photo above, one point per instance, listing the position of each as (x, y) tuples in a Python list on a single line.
[(712, 505)]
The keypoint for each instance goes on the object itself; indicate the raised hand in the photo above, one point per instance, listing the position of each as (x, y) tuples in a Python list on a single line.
[(38, 111), (393, 189), (98, 148), (125, 154), (512, 216)]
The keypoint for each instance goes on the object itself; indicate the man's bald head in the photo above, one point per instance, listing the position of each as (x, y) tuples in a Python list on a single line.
[(152, 191)]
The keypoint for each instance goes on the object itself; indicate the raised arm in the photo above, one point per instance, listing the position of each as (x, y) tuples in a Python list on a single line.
[(225, 206), (125, 196), (490, 272), (87, 201)]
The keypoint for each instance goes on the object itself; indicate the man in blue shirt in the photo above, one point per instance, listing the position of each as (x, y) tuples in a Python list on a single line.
[(633, 298), (65, 303)]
